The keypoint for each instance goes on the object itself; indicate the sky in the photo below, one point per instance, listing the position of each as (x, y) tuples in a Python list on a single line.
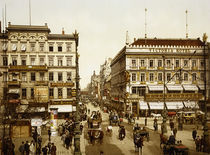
[(102, 24)]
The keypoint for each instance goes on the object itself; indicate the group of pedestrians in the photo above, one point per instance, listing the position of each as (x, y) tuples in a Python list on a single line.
[(8, 147), (27, 148)]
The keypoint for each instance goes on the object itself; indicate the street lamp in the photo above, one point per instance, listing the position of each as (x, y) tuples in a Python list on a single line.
[(77, 114), (164, 115), (205, 127)]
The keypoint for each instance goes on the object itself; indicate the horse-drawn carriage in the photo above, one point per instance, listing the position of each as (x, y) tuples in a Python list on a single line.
[(141, 133), (94, 131), (175, 149), (114, 119)]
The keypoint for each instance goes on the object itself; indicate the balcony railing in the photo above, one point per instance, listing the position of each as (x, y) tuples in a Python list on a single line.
[(41, 83), (173, 96), (27, 68), (14, 83)]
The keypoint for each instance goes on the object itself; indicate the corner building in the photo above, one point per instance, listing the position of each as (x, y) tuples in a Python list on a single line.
[(38, 70), (138, 71)]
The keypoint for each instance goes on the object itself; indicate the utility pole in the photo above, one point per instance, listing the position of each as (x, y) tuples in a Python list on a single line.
[(205, 126), (77, 116), (163, 125)]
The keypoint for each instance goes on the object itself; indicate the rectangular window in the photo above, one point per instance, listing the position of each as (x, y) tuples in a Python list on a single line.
[(142, 63), (51, 48), (41, 47), (23, 61), (151, 77), (23, 47), (60, 62), (151, 63), (194, 77), (168, 63), (32, 61), (178, 76), (133, 76), (32, 46), (69, 92), (51, 92), (68, 47), (24, 77), (69, 61), (14, 61), (41, 61), (24, 93), (59, 48), (60, 76), (14, 47), (133, 63), (5, 61), (193, 63), (51, 76), (185, 63), (32, 93), (202, 77), (5, 76), (177, 64), (69, 76), (160, 63), (4, 47), (41, 77), (160, 76), (33, 76), (168, 77), (60, 92), (142, 77), (185, 76), (134, 90), (201, 63), (51, 62)]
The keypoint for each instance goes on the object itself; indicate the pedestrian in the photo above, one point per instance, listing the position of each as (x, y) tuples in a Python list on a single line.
[(101, 153), (175, 132), (101, 137), (49, 134), (49, 145), (53, 149), (67, 141), (171, 125), (81, 128), (198, 143), (194, 134), (202, 144), (44, 150), (39, 141), (32, 148), (22, 148), (27, 149), (140, 144)]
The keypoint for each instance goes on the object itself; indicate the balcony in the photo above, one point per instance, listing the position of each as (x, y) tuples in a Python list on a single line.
[(160, 68), (142, 68), (13, 83), (41, 83), (27, 68), (62, 84), (174, 97), (194, 68)]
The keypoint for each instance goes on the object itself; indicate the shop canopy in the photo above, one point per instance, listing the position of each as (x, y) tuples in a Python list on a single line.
[(191, 104), (143, 105), (174, 105), (155, 87), (61, 108), (190, 87), (156, 105), (174, 87)]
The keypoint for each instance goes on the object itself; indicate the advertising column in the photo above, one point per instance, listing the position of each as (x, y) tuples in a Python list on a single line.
[(54, 120)]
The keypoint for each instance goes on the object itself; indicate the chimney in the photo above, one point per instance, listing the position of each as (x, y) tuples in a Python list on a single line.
[(134, 39), (63, 31)]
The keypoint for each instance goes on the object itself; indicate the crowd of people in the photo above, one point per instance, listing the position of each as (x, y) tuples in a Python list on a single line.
[(199, 141)]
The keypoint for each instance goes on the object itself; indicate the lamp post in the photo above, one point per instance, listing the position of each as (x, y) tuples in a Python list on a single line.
[(163, 125), (77, 114), (205, 126)]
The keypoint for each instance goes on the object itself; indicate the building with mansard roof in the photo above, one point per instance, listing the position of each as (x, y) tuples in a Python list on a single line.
[(38, 70), (150, 74)]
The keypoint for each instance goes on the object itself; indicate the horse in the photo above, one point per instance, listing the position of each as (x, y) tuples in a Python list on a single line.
[(163, 140)]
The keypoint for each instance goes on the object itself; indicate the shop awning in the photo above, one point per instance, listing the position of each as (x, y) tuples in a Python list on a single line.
[(190, 87), (191, 104), (155, 87), (143, 105), (174, 87), (61, 108), (174, 105), (156, 105)]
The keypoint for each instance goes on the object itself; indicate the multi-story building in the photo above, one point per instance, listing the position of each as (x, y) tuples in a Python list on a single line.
[(105, 75), (150, 74), (38, 69), (95, 86)]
